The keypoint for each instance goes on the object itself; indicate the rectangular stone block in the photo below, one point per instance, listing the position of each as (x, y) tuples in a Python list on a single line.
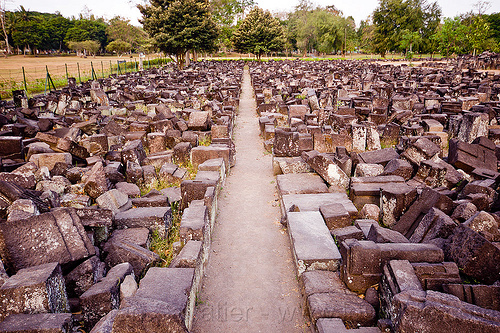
[(37, 289), (313, 246)]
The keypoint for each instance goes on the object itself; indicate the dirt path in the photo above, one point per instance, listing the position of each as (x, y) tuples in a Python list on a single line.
[(250, 283)]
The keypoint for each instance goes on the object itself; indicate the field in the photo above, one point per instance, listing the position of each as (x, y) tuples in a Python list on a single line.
[(61, 67)]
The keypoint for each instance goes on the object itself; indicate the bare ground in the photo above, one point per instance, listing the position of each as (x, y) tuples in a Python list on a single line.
[(250, 283)]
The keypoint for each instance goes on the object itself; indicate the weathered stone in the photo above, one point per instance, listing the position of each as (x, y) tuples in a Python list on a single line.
[(398, 167), (368, 170), (327, 169), (199, 120), (380, 234), (41, 322), (190, 255), (436, 276), (428, 199), (474, 254), (300, 183), (468, 157), (434, 224), (431, 311), (194, 222), (96, 183), (286, 144), (370, 211), (362, 260), (104, 296), (481, 295), (313, 246), (154, 218), (335, 215), (57, 236), (80, 279), (348, 307), (36, 289), (485, 224), (112, 200)]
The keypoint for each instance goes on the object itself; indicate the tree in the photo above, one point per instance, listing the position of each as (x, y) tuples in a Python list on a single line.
[(259, 33), (226, 13), (87, 29), (119, 29), (119, 46), (494, 22), (393, 17), (4, 30), (86, 47), (178, 26)]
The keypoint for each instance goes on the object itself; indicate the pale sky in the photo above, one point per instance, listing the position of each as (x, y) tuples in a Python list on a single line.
[(359, 9)]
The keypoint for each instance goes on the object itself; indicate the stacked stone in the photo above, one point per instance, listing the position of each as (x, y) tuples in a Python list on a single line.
[(388, 179), (89, 174)]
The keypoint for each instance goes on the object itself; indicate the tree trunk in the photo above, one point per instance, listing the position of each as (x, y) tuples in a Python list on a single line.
[(2, 19)]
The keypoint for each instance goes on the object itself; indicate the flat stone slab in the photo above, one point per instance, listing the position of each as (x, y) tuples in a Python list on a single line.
[(312, 202), (153, 218), (313, 245), (169, 285), (40, 322), (300, 183), (348, 307), (336, 325)]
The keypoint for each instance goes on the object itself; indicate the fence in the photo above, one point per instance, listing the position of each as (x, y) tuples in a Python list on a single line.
[(44, 78)]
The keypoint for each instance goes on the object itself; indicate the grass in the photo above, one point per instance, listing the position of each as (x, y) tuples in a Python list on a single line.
[(205, 140), (164, 246), (59, 67)]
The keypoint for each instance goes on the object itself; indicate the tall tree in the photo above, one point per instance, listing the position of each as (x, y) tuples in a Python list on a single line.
[(226, 13), (120, 29), (178, 26), (393, 17), (259, 33), (3, 23)]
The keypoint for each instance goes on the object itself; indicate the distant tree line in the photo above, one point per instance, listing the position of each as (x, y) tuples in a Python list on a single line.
[(33, 32), (185, 28)]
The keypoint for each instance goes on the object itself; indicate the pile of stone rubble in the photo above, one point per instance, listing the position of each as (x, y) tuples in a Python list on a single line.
[(388, 180), (91, 175)]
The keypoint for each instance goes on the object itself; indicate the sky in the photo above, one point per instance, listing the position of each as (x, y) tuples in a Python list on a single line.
[(358, 9)]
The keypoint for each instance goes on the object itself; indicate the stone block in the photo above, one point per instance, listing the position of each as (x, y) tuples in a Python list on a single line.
[(286, 144), (313, 246), (411, 218), (327, 169), (432, 311), (104, 296), (194, 221), (37, 289), (300, 183), (40, 322), (366, 190), (434, 224), (380, 234), (312, 202), (335, 215), (154, 218), (80, 279), (435, 276), (190, 255), (474, 254), (201, 154), (341, 234), (348, 307), (487, 297), (57, 236), (466, 156)]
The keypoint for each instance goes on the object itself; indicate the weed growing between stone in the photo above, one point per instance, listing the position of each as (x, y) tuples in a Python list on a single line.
[(164, 247)]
